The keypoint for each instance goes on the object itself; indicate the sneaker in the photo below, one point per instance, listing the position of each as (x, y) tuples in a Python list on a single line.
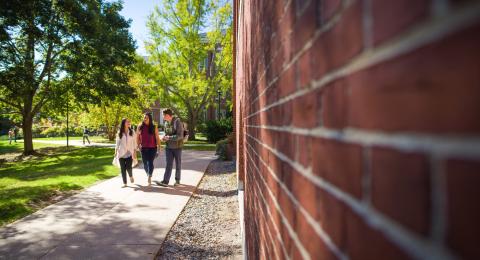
[(149, 180), (162, 183), (124, 186), (176, 183), (131, 179)]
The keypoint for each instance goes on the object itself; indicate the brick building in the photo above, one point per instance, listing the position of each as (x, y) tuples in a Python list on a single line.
[(358, 126)]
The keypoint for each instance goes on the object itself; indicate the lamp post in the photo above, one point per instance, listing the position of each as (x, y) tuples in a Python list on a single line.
[(67, 121), (219, 94)]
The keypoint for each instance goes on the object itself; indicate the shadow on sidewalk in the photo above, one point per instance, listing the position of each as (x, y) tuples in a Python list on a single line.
[(182, 190)]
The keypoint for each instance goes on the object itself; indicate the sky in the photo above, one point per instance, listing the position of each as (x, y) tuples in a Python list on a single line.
[(138, 11)]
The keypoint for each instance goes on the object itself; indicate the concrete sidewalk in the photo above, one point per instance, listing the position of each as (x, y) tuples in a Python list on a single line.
[(106, 221)]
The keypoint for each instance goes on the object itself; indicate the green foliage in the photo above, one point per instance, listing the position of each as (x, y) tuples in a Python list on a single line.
[(218, 129), (51, 49), (225, 148), (201, 127), (185, 34), (61, 130)]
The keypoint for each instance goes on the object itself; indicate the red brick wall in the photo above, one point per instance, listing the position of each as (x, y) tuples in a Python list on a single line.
[(359, 128)]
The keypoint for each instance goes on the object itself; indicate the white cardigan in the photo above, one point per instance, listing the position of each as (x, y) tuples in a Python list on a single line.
[(126, 144)]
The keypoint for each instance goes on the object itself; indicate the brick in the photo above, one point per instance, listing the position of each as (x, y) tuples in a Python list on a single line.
[(306, 24), (338, 163), (286, 82), (305, 111), (334, 105), (287, 207), (286, 23), (401, 187), (286, 145), (286, 113), (311, 240), (305, 192), (329, 52), (332, 215), (365, 242), (304, 71), (329, 8), (463, 209), (421, 92), (272, 94), (393, 18), (304, 150), (275, 241)]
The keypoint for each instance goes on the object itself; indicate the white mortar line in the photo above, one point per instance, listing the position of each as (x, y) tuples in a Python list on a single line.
[(413, 244), (315, 225), (269, 233), (333, 21), (290, 230), (428, 32), (442, 145)]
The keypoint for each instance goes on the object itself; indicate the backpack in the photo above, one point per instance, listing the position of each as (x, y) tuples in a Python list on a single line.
[(185, 131)]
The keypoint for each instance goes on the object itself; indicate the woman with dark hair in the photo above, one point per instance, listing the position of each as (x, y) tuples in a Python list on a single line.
[(125, 150), (149, 142)]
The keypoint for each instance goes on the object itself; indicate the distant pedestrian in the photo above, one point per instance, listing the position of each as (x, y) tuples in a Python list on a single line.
[(149, 143), (10, 136), (15, 133), (85, 135), (174, 138), (125, 150)]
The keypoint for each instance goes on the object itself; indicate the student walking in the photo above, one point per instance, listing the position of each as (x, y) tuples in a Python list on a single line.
[(10, 136), (85, 135), (125, 150), (15, 133), (174, 135), (149, 144)]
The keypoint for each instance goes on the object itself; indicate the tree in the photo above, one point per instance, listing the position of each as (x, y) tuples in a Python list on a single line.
[(190, 54), (52, 47), (108, 113)]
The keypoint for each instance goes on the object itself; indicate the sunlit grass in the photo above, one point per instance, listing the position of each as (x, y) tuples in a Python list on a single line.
[(26, 183)]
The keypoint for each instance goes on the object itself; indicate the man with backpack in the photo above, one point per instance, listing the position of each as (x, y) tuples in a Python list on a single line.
[(175, 135), (85, 135)]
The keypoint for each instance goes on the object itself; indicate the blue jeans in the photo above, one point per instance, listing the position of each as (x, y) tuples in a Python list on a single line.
[(172, 154), (148, 155)]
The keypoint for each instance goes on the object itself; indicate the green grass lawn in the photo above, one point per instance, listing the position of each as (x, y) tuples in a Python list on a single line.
[(18, 146), (98, 139), (26, 186), (199, 146)]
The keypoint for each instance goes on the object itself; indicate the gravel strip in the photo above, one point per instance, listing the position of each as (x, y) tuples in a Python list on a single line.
[(209, 226)]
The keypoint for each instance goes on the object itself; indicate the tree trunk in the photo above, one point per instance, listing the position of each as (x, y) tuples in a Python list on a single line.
[(192, 123), (27, 135)]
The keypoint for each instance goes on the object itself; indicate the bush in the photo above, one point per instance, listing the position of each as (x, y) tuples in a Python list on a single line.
[(218, 129), (53, 131), (225, 148), (201, 128), (61, 131), (36, 131)]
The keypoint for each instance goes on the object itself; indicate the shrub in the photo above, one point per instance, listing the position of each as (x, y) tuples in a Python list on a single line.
[(218, 129), (60, 131), (53, 131), (225, 148), (201, 128), (36, 131)]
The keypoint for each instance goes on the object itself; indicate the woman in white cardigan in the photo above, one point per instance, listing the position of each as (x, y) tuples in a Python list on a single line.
[(125, 150)]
